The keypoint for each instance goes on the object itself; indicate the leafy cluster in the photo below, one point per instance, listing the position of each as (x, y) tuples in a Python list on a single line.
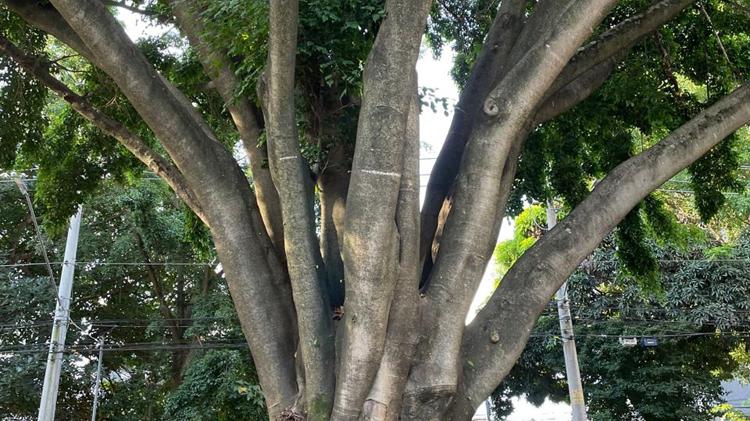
[(22, 98)]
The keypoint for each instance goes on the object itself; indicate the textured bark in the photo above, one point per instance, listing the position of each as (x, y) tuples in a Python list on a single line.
[(489, 67), (587, 70), (370, 249), (495, 339), (384, 401), (291, 177), (398, 356)]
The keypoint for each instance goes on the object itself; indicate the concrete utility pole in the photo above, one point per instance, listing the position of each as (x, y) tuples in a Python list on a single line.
[(60, 326), (572, 372)]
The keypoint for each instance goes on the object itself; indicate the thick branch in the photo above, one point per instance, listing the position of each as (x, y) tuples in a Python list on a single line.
[(497, 336), (577, 90), (463, 252), (218, 68), (290, 175), (370, 248), (384, 401), (544, 19), (262, 298), (137, 146), (43, 16), (490, 64)]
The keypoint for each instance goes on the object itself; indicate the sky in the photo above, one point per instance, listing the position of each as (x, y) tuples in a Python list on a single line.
[(433, 73)]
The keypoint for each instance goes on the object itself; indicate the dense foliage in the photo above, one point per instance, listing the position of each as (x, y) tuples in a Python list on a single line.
[(289, 227), (160, 323), (699, 318)]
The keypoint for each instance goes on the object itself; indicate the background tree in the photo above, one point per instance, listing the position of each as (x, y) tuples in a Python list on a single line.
[(699, 319), (337, 95), (162, 323)]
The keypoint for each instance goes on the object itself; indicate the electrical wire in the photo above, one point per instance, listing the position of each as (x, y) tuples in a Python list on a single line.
[(100, 263)]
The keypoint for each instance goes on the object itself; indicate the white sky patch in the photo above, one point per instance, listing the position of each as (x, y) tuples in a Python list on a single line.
[(137, 28)]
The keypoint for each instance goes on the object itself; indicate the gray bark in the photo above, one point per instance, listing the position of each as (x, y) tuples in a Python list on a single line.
[(384, 400), (488, 69), (370, 249), (463, 254), (495, 339), (401, 356), (291, 177)]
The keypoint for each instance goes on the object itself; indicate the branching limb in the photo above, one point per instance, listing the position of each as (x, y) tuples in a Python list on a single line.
[(262, 299), (621, 37), (384, 401), (495, 339), (717, 36), (577, 90), (137, 146), (583, 75), (43, 16), (290, 175), (490, 64), (370, 250), (463, 252)]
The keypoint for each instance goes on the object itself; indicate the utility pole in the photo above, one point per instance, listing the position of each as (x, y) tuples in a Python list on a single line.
[(60, 324), (572, 372), (98, 379)]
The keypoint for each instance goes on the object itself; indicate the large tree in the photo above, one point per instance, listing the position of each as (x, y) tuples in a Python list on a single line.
[(336, 114)]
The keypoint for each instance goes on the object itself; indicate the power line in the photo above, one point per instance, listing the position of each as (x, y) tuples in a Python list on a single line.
[(241, 343), (99, 263), (93, 349), (116, 323)]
